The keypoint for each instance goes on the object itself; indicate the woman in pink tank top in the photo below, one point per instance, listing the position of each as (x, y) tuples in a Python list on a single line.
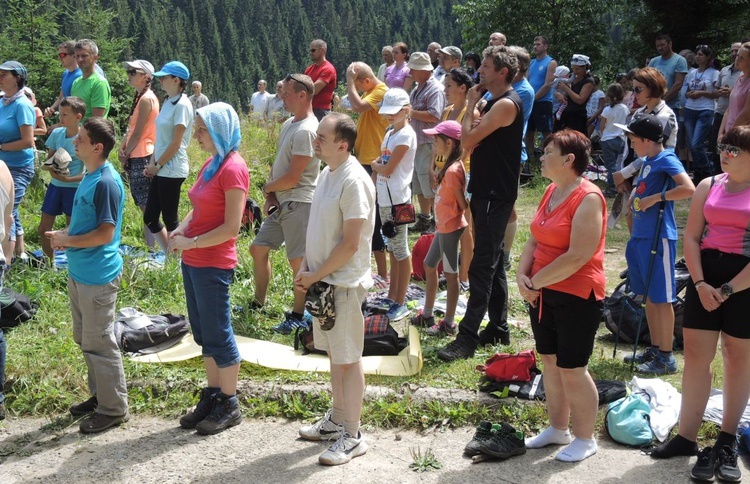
[(717, 252), (738, 112)]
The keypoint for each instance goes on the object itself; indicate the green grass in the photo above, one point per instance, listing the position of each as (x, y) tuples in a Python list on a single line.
[(45, 371)]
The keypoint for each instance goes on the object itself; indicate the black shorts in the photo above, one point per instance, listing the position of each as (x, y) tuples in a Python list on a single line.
[(541, 117), (378, 243), (731, 317), (568, 327)]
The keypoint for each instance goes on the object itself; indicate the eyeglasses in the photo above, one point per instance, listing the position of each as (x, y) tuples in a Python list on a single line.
[(731, 151), (638, 89), (132, 72), (313, 50), (63, 55), (290, 77)]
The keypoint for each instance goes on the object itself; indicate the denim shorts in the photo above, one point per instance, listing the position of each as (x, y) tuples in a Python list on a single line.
[(22, 176), (209, 312), (59, 200)]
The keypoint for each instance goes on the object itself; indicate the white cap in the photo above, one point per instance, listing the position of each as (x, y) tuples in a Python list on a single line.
[(142, 65), (393, 101), (562, 71)]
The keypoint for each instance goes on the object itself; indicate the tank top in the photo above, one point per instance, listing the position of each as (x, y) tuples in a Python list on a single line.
[(727, 219), (552, 233), (439, 161), (496, 160), (145, 146), (538, 74)]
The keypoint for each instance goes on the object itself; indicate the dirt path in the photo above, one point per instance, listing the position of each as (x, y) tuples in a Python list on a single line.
[(259, 451)]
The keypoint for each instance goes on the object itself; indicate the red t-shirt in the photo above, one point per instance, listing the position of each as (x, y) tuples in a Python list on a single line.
[(324, 72), (209, 203), (552, 233)]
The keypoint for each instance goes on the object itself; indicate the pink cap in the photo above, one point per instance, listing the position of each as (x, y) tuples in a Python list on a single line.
[(451, 129)]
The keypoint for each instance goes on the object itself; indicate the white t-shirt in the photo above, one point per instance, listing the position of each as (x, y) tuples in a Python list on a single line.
[(701, 81), (593, 103), (618, 114), (171, 115), (296, 139), (398, 182), (345, 193), (259, 102)]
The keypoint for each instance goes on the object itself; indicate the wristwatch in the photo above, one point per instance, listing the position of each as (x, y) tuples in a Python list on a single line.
[(726, 290)]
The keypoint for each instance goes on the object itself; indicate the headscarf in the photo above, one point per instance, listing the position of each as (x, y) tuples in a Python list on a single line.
[(224, 127)]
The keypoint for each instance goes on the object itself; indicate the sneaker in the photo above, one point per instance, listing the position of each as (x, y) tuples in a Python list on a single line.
[(397, 312), (84, 408), (421, 322), (442, 329), (290, 323), (704, 469), (456, 350), (201, 410), (659, 366), (98, 422), (483, 433), (649, 354), (345, 449), (430, 227), (383, 305), (507, 265), (504, 443), (323, 429), (726, 465), (463, 287), (423, 223), (492, 338), (225, 413)]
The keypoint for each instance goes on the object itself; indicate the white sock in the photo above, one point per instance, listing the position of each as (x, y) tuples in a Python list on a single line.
[(577, 450), (549, 436)]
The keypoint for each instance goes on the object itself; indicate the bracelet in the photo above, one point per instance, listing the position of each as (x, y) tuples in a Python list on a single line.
[(663, 196)]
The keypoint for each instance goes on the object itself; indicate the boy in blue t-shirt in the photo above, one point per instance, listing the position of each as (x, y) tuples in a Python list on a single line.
[(62, 188), (662, 179), (94, 265)]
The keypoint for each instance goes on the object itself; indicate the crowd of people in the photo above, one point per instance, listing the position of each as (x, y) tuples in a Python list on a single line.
[(455, 130)]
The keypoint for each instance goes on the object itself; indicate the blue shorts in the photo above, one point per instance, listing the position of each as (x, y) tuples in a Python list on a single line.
[(661, 288), (541, 117), (58, 200)]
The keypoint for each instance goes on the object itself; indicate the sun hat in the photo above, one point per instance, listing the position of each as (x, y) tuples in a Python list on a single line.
[(144, 66), (394, 101), (645, 126), (452, 51), (419, 61), (580, 60), (451, 129), (562, 71), (174, 68), (14, 66), (319, 302)]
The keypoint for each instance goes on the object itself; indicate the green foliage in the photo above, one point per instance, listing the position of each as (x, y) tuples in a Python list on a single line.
[(424, 461)]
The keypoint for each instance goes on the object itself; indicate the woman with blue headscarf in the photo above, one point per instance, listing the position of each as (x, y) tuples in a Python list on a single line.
[(207, 240)]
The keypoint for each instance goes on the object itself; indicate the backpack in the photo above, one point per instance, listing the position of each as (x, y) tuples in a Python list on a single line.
[(385, 343), (418, 253), (504, 367), (627, 421), (138, 333), (15, 308), (252, 216)]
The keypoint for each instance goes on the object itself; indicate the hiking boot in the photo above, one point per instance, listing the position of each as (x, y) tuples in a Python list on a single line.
[(225, 413), (659, 366), (643, 357), (84, 408), (2, 411), (397, 312), (98, 422), (492, 338), (704, 469), (442, 329), (421, 322), (201, 410), (290, 323), (504, 443), (726, 465), (423, 223), (323, 429), (345, 449), (483, 433), (456, 350)]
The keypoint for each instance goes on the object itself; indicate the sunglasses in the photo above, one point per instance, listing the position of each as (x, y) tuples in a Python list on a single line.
[(133, 72), (290, 77), (62, 55), (731, 151), (313, 50), (638, 89)]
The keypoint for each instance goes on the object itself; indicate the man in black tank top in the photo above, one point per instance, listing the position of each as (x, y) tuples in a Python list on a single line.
[(495, 166)]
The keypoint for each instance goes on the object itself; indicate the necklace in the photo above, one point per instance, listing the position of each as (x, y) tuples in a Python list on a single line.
[(558, 196)]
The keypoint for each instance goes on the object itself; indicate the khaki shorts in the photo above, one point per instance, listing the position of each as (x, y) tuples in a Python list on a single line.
[(287, 225), (420, 181), (346, 340)]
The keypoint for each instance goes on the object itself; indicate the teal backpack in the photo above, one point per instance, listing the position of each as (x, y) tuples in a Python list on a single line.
[(627, 421)]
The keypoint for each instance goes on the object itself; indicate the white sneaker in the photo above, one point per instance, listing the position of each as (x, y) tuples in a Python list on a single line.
[(323, 429), (344, 450)]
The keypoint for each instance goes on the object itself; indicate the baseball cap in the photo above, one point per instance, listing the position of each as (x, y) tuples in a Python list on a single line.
[(645, 126), (580, 60), (142, 65), (451, 129), (452, 51), (419, 61), (174, 68), (393, 101), (562, 71), (14, 66)]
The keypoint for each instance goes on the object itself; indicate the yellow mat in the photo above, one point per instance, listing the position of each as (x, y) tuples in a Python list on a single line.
[(282, 357)]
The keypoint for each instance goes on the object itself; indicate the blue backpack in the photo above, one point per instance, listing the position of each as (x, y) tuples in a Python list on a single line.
[(627, 421)]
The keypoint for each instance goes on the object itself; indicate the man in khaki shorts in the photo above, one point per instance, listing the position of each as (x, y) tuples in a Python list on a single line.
[(288, 193), (340, 255)]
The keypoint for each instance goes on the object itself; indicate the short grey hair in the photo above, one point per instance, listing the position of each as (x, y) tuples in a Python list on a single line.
[(89, 45), (197, 83)]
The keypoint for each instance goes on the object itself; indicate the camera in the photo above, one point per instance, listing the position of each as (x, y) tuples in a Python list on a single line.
[(389, 229)]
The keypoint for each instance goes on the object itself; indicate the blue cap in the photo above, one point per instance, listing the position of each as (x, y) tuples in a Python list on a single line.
[(174, 68), (14, 66)]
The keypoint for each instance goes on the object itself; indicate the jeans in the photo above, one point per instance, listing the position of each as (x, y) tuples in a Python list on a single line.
[(697, 127), (209, 312), (487, 276), (611, 151), (22, 177)]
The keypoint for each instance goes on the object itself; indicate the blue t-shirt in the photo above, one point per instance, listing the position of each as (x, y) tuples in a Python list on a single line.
[(67, 80), (538, 76), (18, 113), (526, 93), (100, 198), (58, 139), (668, 69), (654, 173)]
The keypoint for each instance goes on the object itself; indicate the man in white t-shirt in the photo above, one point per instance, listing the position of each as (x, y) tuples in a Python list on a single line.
[(198, 99), (387, 54), (259, 100), (340, 255), (289, 192), (275, 106)]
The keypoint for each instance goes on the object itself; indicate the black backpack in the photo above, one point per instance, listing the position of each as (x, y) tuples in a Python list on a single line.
[(165, 331), (383, 344), (252, 216), (15, 308)]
